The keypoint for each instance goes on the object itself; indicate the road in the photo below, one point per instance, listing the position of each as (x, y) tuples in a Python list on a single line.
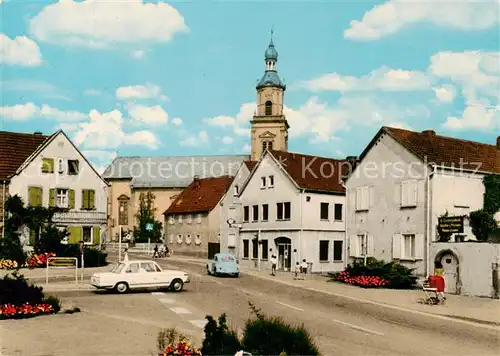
[(125, 325)]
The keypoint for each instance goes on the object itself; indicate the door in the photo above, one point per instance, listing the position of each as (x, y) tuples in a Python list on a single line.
[(132, 275), (213, 248), (284, 256), (149, 275), (450, 273)]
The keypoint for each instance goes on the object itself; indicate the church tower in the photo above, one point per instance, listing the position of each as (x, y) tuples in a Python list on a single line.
[(269, 128)]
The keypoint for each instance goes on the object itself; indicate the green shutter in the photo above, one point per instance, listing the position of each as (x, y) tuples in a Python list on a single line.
[(71, 199), (96, 234), (48, 165), (75, 234), (35, 196), (52, 197), (91, 199), (32, 237), (40, 197), (85, 194)]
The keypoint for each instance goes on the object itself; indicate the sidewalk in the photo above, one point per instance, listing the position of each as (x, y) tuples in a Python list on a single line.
[(479, 310), (38, 275)]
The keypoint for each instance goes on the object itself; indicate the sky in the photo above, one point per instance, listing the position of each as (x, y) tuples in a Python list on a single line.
[(149, 78)]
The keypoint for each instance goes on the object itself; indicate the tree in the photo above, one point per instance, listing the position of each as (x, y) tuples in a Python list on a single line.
[(482, 221), (146, 215)]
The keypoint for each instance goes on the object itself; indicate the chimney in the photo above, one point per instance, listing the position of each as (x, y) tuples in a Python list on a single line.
[(429, 132), (37, 133), (498, 142)]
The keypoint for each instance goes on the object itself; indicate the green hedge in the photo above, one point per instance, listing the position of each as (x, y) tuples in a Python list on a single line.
[(92, 256)]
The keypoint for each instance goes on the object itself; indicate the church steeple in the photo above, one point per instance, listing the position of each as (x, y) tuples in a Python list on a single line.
[(269, 125)]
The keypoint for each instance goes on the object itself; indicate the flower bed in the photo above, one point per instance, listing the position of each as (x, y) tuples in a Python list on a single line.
[(26, 310), (8, 264), (361, 281), (38, 260), (180, 348)]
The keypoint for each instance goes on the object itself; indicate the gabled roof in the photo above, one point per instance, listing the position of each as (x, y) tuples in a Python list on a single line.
[(15, 148), (202, 195), (444, 151), (311, 173)]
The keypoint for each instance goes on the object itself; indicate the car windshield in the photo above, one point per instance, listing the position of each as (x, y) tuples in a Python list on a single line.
[(118, 268), (226, 258)]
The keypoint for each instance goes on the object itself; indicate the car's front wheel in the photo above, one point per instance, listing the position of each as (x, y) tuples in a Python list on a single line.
[(177, 285), (121, 287)]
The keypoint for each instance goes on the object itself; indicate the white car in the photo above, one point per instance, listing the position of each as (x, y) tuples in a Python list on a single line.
[(139, 274)]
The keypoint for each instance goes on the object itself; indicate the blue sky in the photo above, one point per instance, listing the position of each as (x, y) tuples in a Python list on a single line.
[(135, 77)]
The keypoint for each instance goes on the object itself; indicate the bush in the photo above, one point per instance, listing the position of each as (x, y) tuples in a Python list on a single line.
[(395, 275), (219, 339), (14, 289), (92, 257), (54, 302), (171, 343), (11, 249)]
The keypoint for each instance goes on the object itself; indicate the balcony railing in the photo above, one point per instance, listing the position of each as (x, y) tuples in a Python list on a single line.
[(81, 217)]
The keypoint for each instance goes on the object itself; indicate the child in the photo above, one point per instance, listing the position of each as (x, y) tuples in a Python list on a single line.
[(303, 266), (274, 262), (297, 270)]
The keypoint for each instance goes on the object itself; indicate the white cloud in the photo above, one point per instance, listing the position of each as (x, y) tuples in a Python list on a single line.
[(384, 78), (246, 148), (138, 54), (20, 51), (92, 92), (150, 115), (105, 130), (388, 18), (177, 121), (445, 94), (23, 112), (100, 24), (197, 140), (227, 140), (147, 91), (239, 123), (475, 118)]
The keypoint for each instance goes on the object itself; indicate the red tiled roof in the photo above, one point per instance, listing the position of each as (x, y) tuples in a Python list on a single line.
[(202, 195), (448, 151), (312, 172), (251, 165), (15, 148)]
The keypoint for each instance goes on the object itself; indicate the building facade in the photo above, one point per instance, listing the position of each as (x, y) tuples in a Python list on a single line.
[(293, 206), (405, 182), (56, 174)]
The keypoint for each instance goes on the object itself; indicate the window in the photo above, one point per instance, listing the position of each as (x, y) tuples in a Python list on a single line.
[(123, 213), (255, 209), (264, 146), (338, 249), (323, 250), (268, 108), (198, 218), (179, 218), (132, 268), (245, 249), (409, 246), (148, 267), (255, 248), (265, 249), (47, 165), (271, 181), (171, 220), (236, 190), (262, 182), (362, 198), (246, 213), (283, 211), (87, 234), (73, 167), (324, 211), (361, 246), (265, 212), (88, 199), (409, 193), (189, 218), (62, 198), (338, 212), (270, 145)]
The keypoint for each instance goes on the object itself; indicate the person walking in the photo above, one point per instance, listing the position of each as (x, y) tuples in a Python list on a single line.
[(155, 252), (274, 262)]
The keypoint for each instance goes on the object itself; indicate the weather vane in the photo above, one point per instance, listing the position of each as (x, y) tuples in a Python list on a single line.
[(272, 31)]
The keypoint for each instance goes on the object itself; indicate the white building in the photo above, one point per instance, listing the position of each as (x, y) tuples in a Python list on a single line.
[(231, 210), (50, 171), (403, 183), (295, 205)]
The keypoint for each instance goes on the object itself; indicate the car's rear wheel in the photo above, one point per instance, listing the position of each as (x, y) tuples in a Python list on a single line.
[(208, 270), (122, 287), (236, 275), (177, 285)]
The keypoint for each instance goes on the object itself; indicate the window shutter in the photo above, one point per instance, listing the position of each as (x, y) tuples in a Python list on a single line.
[(371, 197), (39, 196), (366, 197), (91, 199), (413, 193), (358, 198), (31, 196), (85, 199), (71, 199), (96, 235), (370, 245), (419, 246), (396, 246), (353, 246), (52, 197), (404, 193), (75, 234)]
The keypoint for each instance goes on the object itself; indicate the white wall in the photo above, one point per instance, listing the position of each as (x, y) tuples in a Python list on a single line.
[(475, 265), (385, 166), (62, 148)]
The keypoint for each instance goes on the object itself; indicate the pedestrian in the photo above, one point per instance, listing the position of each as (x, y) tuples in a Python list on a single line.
[(162, 251), (155, 253), (439, 272), (167, 251), (274, 262), (297, 270), (303, 267)]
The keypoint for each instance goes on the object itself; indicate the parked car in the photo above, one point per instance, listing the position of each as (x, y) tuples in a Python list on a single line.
[(223, 264), (139, 274)]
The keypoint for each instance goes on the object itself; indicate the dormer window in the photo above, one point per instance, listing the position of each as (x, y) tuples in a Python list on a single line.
[(268, 108)]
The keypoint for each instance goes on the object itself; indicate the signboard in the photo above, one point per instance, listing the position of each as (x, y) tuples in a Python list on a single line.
[(451, 224), (149, 227)]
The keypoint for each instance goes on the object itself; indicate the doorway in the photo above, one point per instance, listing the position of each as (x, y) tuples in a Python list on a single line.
[(284, 246), (450, 271)]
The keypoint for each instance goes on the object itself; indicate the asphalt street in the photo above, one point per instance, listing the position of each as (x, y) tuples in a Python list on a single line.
[(113, 324)]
